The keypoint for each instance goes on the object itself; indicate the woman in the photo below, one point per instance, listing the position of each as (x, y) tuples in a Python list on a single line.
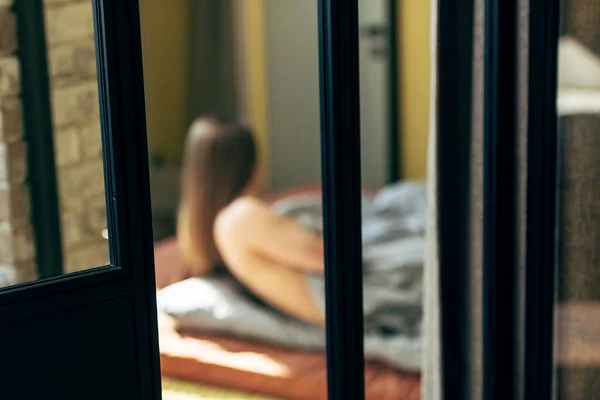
[(222, 222)]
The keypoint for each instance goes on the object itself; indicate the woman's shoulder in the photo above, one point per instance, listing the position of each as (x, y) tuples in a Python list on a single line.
[(244, 212), (246, 207)]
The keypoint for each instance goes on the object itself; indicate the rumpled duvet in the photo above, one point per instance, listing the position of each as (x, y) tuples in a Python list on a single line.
[(393, 255)]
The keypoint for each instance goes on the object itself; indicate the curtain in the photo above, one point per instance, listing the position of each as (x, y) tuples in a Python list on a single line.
[(452, 365), (212, 57)]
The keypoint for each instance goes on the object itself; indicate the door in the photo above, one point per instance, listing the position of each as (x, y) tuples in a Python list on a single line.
[(374, 64), (93, 334), (341, 153)]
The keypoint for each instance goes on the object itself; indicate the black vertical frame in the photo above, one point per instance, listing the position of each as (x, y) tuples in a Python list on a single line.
[(519, 304), (126, 171), (454, 69), (37, 124), (340, 144), (394, 172), (542, 161), (499, 200)]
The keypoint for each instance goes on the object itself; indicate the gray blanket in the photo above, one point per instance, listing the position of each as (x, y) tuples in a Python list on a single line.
[(393, 254)]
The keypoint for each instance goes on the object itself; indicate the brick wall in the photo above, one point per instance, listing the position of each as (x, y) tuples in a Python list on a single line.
[(77, 137), (77, 142), (16, 243)]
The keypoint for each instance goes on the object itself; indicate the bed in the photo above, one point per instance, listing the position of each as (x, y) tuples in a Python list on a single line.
[(253, 367)]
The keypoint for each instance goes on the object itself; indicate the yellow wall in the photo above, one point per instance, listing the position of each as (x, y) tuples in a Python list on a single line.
[(414, 81), (256, 93), (165, 44)]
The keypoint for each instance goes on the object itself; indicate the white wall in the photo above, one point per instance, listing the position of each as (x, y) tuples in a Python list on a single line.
[(293, 94)]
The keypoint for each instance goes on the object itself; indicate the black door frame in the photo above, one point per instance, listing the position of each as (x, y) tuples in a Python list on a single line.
[(340, 147), (126, 169), (500, 267), (129, 280), (541, 241)]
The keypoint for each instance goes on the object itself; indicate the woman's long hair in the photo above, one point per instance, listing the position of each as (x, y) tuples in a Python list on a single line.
[(219, 164)]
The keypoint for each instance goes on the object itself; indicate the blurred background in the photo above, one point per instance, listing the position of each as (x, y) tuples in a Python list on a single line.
[(258, 60), (253, 60)]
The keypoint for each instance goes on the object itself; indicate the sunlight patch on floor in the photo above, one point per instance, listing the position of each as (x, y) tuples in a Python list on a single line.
[(178, 390)]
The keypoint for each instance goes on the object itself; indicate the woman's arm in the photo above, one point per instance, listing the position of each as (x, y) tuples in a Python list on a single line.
[(279, 238)]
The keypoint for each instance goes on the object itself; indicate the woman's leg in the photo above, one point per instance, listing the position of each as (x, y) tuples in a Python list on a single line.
[(284, 288), (243, 233)]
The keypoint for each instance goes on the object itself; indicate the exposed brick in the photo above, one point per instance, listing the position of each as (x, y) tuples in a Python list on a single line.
[(79, 182), (89, 256), (20, 273), (8, 32), (85, 60), (26, 271), (23, 239), (11, 119), (8, 275), (61, 62), (14, 203), (10, 79), (70, 229), (75, 103), (83, 227), (91, 139), (13, 162), (16, 243), (66, 146), (69, 22), (72, 62), (51, 3), (93, 221), (80, 173)]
